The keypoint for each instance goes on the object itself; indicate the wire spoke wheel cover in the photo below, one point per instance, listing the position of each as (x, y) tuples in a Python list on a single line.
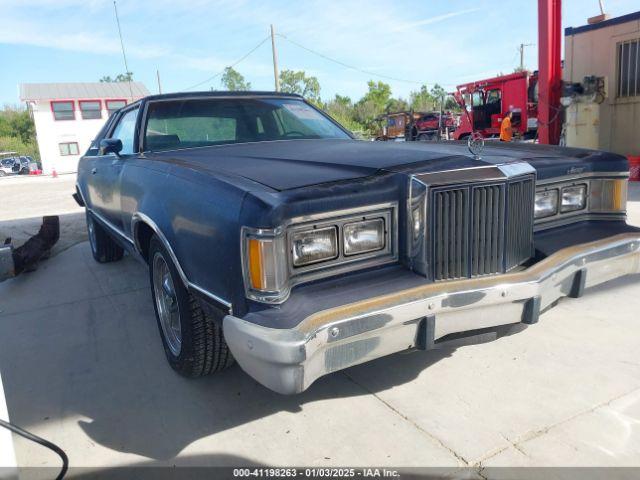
[(167, 304)]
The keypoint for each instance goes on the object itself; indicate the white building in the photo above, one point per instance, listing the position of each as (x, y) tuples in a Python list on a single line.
[(68, 116)]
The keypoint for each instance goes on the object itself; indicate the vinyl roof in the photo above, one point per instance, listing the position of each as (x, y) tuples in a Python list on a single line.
[(68, 91)]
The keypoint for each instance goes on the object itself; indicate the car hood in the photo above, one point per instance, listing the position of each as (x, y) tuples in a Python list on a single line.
[(285, 165)]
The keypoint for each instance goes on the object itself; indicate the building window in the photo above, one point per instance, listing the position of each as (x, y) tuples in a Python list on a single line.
[(90, 109), (113, 105), (69, 148), (63, 110), (629, 68)]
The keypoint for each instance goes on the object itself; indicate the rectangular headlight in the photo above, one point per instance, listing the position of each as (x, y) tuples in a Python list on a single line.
[(313, 246), (574, 198), (362, 237), (546, 203)]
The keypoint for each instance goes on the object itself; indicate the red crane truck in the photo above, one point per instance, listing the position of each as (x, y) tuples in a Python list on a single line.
[(485, 103)]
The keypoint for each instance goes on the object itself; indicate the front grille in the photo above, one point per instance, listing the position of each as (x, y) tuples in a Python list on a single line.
[(519, 226), (481, 229), (487, 231), (451, 234)]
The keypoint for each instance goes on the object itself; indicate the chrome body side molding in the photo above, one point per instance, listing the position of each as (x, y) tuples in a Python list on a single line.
[(140, 217)]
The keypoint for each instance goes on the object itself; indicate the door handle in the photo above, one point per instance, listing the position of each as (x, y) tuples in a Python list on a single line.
[(94, 171)]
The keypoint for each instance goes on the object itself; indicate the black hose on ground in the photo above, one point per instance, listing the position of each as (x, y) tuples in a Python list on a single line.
[(45, 443)]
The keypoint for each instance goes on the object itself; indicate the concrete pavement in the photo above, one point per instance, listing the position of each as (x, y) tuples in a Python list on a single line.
[(25, 199), (82, 365)]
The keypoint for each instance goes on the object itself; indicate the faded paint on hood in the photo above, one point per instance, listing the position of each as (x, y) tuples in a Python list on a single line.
[(285, 165)]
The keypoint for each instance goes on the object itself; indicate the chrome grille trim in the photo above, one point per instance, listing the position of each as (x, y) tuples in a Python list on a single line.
[(451, 233), (481, 229), (487, 231), (519, 247)]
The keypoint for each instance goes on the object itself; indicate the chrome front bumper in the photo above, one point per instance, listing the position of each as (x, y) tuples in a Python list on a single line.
[(289, 360)]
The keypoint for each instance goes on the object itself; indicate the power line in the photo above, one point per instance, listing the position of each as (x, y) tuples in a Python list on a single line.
[(352, 67), (230, 66)]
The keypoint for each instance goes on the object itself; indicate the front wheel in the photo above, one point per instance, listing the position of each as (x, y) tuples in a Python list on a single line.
[(193, 340)]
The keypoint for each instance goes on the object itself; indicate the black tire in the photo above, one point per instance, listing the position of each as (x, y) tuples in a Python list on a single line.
[(103, 248), (203, 349)]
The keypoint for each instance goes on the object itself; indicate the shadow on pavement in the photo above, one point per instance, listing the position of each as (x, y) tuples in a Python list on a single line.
[(99, 359)]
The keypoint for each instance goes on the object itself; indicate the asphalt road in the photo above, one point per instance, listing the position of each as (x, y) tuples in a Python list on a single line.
[(82, 365)]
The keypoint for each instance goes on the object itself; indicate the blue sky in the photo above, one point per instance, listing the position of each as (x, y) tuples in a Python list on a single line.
[(448, 42)]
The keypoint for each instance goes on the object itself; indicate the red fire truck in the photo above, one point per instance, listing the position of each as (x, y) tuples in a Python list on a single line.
[(485, 102)]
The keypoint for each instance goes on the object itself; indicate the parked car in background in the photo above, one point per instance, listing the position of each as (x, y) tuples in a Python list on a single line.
[(27, 165), (275, 238), (416, 126), (428, 126), (9, 166)]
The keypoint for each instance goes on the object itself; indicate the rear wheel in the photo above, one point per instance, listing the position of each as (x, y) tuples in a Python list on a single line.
[(103, 248), (193, 340)]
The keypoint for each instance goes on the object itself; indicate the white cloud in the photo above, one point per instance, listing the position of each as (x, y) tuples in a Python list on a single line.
[(198, 38), (432, 20)]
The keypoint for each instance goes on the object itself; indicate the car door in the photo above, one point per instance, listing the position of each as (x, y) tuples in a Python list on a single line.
[(107, 169)]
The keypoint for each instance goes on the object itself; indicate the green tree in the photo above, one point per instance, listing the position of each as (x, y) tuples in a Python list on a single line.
[(437, 92), (121, 77), (422, 100), (17, 132), (379, 94), (341, 109), (397, 105), (233, 80), (298, 82)]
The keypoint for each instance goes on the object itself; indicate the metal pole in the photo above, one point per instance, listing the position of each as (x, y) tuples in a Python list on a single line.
[(549, 70), (522, 45), (601, 7), (124, 55), (276, 77), (158, 77)]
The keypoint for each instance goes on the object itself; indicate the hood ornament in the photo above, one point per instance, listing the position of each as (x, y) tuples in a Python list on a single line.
[(475, 144)]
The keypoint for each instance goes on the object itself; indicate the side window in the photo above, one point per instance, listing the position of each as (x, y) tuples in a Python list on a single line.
[(493, 96), (125, 131), (477, 99)]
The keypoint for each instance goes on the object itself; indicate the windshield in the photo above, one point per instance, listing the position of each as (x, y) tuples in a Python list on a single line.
[(218, 121)]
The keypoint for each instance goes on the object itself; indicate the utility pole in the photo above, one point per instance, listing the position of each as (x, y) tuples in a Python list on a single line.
[(275, 60), (522, 45), (124, 55), (158, 77)]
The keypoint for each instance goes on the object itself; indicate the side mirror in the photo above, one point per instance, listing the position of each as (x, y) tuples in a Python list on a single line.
[(110, 145)]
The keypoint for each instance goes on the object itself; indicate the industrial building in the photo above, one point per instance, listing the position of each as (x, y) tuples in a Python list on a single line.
[(68, 116), (603, 111)]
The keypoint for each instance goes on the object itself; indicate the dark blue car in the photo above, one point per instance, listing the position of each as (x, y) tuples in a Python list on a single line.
[(274, 238)]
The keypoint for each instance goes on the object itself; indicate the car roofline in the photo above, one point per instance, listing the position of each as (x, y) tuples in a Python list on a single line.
[(219, 94)]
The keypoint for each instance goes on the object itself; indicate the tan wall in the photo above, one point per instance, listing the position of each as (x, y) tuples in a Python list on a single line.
[(594, 53)]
